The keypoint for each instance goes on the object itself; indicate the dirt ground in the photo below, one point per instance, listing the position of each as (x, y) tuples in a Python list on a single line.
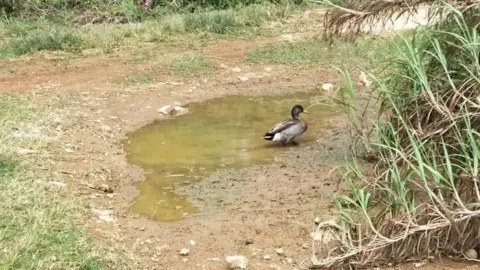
[(250, 212)]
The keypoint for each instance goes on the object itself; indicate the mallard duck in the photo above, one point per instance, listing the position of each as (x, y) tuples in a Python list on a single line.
[(286, 131)]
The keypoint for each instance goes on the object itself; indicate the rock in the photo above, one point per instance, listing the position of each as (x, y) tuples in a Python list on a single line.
[(236, 69), (273, 266), (419, 264), (213, 259), (243, 78), (142, 229), (172, 110), (327, 87), (305, 246), (192, 242), (279, 251), (105, 215), (106, 128), (289, 260), (317, 220), (288, 37), (471, 254), (23, 151), (237, 262), (364, 79), (184, 251), (105, 188), (266, 257), (323, 236), (249, 241), (58, 184), (108, 219)]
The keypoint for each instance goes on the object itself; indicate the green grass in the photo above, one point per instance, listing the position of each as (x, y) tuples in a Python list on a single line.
[(193, 64), (368, 52), (39, 224)]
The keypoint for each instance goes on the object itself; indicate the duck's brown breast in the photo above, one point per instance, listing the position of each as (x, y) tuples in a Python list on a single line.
[(304, 125)]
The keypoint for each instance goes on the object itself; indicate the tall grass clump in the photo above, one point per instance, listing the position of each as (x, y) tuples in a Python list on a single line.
[(238, 20), (422, 197)]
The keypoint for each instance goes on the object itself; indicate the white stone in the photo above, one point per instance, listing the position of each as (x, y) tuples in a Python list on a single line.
[(279, 251), (23, 151), (364, 79), (58, 184), (237, 262), (266, 257), (322, 236), (172, 110), (184, 251), (327, 87), (192, 242)]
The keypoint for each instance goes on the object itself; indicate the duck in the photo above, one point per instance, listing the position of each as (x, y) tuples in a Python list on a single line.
[(286, 131)]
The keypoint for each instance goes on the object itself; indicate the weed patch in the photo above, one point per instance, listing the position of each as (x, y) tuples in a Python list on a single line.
[(191, 64)]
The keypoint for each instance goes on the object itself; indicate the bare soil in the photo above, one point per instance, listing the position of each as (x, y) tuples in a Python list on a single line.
[(248, 212)]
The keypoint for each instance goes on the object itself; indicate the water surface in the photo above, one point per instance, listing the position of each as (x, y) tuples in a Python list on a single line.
[(216, 134)]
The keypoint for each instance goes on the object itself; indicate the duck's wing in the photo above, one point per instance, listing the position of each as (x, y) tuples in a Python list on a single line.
[(281, 126)]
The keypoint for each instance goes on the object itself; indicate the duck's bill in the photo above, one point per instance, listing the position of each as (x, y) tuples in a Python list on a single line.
[(306, 112)]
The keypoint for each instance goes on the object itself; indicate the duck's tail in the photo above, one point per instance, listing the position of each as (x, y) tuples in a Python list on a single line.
[(268, 136)]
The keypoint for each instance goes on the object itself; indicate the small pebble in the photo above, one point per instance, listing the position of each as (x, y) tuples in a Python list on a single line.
[(192, 243), (279, 251), (266, 257)]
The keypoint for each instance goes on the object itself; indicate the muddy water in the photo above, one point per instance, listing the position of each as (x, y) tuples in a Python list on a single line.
[(223, 133)]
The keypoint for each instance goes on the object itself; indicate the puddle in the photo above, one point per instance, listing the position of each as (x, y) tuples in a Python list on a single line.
[(222, 133)]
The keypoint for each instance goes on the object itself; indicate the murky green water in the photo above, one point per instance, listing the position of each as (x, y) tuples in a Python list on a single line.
[(219, 133)]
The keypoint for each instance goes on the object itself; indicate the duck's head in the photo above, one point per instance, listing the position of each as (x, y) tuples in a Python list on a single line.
[(297, 110)]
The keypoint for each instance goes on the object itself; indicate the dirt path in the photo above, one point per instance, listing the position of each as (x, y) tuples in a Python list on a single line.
[(250, 212)]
